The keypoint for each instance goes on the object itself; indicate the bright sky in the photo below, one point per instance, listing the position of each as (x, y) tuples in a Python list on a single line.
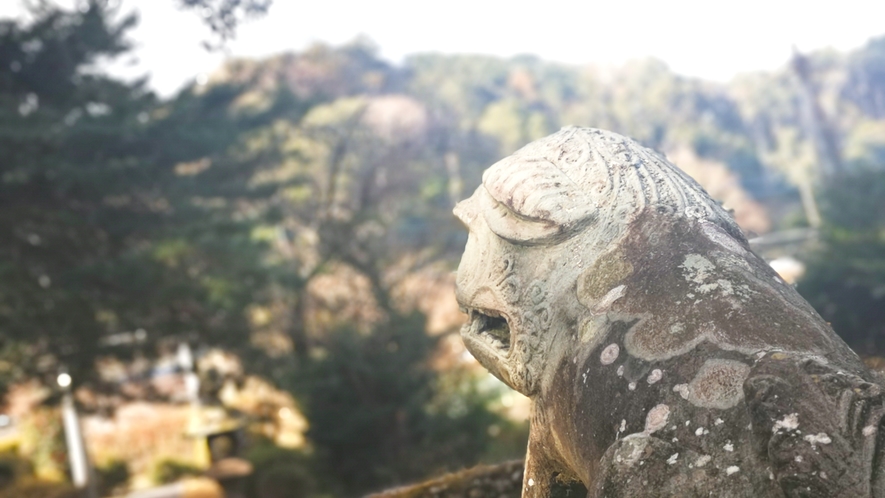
[(713, 40)]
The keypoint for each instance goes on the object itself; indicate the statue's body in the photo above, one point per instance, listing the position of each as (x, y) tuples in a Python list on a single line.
[(662, 357)]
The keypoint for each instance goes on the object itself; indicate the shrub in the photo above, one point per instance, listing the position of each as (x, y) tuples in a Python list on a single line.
[(169, 470)]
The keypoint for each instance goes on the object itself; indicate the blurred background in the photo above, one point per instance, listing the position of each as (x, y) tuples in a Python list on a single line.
[(226, 241)]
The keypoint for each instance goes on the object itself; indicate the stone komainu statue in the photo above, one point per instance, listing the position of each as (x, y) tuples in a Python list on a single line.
[(662, 357)]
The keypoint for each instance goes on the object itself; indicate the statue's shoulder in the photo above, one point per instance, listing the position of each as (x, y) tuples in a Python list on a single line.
[(818, 424), (648, 466)]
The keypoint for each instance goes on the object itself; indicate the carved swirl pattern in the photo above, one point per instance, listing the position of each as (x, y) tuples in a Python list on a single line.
[(583, 172), (509, 283)]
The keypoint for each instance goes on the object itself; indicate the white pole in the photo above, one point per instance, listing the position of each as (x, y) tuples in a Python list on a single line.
[(80, 471), (74, 440)]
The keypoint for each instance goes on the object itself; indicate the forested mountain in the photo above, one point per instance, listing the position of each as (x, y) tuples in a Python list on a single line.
[(296, 211), (755, 125)]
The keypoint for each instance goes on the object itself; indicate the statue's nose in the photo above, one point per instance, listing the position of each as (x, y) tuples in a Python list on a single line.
[(470, 274), (467, 211), (466, 275), (461, 294)]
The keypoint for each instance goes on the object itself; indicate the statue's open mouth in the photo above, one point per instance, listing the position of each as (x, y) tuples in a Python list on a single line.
[(488, 325)]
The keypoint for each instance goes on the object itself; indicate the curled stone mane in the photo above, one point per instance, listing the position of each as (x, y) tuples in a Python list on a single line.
[(582, 175)]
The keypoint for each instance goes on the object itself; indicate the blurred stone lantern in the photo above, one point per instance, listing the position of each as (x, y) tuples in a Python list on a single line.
[(220, 439), (218, 435)]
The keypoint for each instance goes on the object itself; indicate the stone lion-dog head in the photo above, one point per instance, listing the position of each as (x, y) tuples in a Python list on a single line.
[(538, 221)]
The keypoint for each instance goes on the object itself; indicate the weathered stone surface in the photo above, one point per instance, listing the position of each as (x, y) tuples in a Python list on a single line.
[(662, 357)]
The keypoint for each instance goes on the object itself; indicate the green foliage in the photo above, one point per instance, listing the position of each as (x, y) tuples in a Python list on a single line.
[(223, 16), (845, 280), (121, 212), (17, 481), (465, 85), (281, 480), (41, 441), (170, 470), (112, 476), (118, 212), (33, 488), (866, 78), (52, 115), (13, 467), (512, 124), (280, 472), (865, 145), (378, 412)]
